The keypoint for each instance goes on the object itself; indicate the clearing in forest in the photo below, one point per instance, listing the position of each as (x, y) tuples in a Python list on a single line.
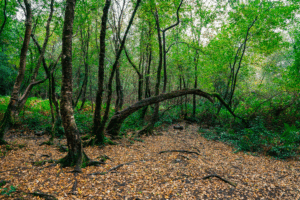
[(146, 169)]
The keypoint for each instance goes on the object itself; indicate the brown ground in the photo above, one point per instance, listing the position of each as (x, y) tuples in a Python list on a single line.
[(169, 175)]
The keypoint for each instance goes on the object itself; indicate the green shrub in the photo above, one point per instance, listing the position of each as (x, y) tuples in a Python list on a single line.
[(258, 139)]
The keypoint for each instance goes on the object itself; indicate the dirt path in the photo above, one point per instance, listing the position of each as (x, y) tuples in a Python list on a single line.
[(150, 175)]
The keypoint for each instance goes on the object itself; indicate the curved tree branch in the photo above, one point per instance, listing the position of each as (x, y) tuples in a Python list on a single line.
[(116, 121), (177, 22)]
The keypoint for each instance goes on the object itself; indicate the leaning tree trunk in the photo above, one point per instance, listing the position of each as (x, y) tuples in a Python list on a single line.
[(76, 155), (13, 102), (116, 121)]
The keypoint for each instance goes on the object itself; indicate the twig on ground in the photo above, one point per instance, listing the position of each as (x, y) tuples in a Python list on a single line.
[(112, 169), (181, 151), (219, 177), (118, 166), (185, 157)]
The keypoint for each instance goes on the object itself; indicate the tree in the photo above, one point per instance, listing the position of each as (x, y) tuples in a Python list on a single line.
[(97, 114), (13, 102), (76, 155), (116, 121), (99, 127)]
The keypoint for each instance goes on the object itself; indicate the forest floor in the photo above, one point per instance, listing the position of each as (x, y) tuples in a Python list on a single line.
[(147, 173)]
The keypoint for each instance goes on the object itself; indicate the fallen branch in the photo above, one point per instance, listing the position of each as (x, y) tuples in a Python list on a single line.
[(219, 177), (180, 151)]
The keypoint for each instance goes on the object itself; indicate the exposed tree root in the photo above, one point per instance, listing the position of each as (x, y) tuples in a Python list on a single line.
[(43, 195), (219, 177), (181, 151), (95, 163), (38, 194), (49, 143), (185, 157), (42, 162), (112, 169), (74, 185)]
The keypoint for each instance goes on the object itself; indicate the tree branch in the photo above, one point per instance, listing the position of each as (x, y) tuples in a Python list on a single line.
[(4, 13)]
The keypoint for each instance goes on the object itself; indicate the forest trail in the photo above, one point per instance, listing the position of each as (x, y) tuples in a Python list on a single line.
[(148, 174)]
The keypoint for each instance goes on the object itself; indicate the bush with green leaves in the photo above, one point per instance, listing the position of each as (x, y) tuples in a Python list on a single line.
[(8, 75), (257, 138)]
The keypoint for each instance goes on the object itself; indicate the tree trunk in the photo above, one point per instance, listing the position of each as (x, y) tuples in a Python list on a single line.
[(148, 129), (85, 47), (76, 155), (164, 46), (195, 83), (13, 102), (33, 82), (97, 114), (147, 79), (109, 93), (119, 90), (116, 121)]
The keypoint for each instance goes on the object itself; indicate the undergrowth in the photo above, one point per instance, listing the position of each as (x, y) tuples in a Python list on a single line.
[(258, 139)]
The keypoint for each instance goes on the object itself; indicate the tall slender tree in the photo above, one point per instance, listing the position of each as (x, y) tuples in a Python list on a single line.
[(13, 102), (76, 155)]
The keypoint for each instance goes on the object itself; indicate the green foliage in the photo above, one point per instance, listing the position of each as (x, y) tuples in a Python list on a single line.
[(8, 191), (7, 75), (8, 147), (84, 122), (108, 141), (21, 146), (36, 121), (258, 139), (133, 122), (4, 100)]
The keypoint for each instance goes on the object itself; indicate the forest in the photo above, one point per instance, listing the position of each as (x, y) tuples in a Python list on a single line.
[(149, 99)]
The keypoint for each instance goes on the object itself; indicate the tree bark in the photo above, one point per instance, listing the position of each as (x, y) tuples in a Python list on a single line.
[(148, 129), (164, 46), (33, 82), (195, 83), (119, 90), (97, 114), (12, 106), (109, 94), (116, 121), (140, 76), (76, 155)]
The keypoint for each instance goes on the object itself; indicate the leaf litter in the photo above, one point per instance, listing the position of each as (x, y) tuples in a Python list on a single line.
[(174, 164)]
